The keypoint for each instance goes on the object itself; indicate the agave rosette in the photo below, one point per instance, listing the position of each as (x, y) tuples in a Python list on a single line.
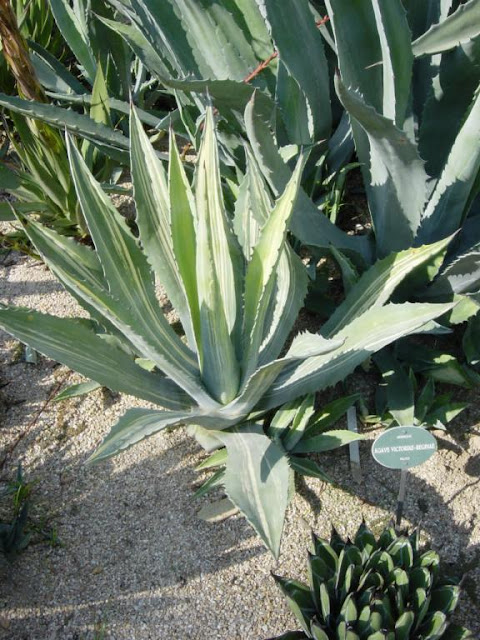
[(237, 287), (373, 589)]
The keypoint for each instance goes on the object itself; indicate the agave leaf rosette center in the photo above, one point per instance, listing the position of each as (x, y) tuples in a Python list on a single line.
[(237, 287)]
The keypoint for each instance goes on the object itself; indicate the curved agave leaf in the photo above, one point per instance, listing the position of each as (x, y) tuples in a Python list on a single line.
[(423, 15), (399, 388), (215, 480), (74, 343), (394, 171), (307, 467), (64, 256), (397, 58), (435, 627), (312, 81), (86, 99), (358, 54), (330, 414), (365, 335), (376, 285), (153, 199), (459, 27), (252, 210), (445, 598), (84, 278), (252, 206), (326, 441), (218, 275), (77, 390), (449, 101), (299, 423), (261, 490), (228, 51), (134, 426), (460, 277), (75, 34), (112, 143), (178, 69), (318, 633), (51, 73), (261, 271), (455, 632), (183, 221), (299, 600), (211, 209), (307, 223), (139, 44), (290, 292), (203, 40), (129, 278), (446, 208)]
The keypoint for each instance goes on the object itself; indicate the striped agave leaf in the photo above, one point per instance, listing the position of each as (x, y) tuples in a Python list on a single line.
[(237, 287)]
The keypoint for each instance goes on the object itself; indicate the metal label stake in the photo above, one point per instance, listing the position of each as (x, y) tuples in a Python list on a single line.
[(401, 496), (354, 449)]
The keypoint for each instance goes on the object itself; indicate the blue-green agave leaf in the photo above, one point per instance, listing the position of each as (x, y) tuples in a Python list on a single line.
[(446, 208), (307, 222), (365, 335), (257, 480), (395, 172), (311, 81), (74, 343), (75, 34), (134, 426), (375, 286), (326, 441), (76, 390)]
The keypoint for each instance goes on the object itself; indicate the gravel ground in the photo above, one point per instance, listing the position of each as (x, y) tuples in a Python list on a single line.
[(134, 561)]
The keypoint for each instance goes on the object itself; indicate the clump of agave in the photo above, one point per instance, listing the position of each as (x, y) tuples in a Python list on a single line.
[(373, 589)]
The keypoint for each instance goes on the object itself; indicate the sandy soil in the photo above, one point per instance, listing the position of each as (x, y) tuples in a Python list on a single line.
[(134, 561)]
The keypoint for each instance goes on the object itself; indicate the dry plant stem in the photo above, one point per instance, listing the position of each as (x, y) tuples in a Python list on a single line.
[(263, 65), (16, 54), (35, 418)]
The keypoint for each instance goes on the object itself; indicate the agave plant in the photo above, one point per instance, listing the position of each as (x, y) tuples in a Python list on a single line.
[(237, 287), (413, 97), (37, 175), (409, 80), (397, 401), (414, 108), (378, 589), (100, 76)]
